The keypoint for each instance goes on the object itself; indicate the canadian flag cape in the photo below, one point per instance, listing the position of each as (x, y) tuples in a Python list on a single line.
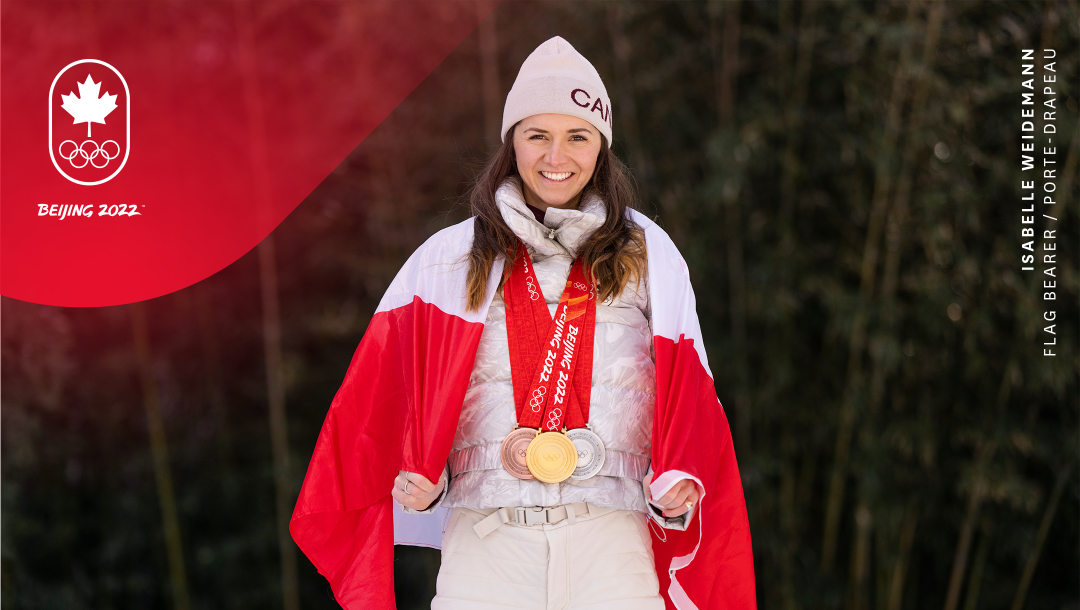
[(398, 409)]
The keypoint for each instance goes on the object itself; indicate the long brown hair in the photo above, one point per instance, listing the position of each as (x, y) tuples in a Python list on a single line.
[(614, 252)]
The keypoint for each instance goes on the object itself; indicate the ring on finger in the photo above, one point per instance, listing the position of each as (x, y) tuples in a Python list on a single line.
[(406, 490)]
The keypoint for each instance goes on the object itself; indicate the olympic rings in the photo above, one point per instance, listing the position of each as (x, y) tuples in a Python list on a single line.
[(89, 157), (533, 292), (553, 418), (580, 286), (537, 399)]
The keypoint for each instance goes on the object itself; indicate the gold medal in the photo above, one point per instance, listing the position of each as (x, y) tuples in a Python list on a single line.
[(513, 452), (551, 457)]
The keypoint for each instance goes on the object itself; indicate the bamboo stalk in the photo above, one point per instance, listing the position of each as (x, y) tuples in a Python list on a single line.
[(879, 205), (725, 53), (896, 220), (279, 438), (899, 572), (804, 493), (971, 598), (1040, 538), (860, 558), (905, 181), (788, 528), (215, 382), (640, 159), (898, 212), (967, 526), (489, 70), (784, 19), (725, 56), (883, 564), (793, 114), (260, 168), (159, 450), (985, 454)]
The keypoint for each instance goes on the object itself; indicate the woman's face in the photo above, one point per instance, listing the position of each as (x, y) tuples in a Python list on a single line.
[(556, 155)]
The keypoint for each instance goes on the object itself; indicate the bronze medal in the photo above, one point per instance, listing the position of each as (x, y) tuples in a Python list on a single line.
[(513, 452), (590, 452), (551, 457)]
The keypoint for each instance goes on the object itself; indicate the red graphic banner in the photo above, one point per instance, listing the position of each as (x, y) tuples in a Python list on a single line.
[(147, 145)]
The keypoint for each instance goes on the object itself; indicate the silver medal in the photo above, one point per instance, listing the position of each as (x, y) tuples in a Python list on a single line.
[(590, 452)]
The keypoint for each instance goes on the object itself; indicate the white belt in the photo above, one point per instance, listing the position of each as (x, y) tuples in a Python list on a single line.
[(529, 516), (487, 456)]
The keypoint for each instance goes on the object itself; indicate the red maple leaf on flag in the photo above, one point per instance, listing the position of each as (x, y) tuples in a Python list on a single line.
[(88, 107)]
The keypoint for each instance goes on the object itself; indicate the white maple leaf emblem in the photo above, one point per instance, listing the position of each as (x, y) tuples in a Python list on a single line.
[(88, 107)]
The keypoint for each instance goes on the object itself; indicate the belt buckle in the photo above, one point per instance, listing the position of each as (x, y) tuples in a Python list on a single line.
[(531, 515)]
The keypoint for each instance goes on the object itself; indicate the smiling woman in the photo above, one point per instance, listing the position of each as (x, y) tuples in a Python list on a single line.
[(546, 379), (553, 197)]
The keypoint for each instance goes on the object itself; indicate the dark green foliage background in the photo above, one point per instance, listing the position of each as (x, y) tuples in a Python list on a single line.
[(956, 422)]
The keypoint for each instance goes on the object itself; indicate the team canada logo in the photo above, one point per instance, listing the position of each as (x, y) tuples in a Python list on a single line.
[(89, 122)]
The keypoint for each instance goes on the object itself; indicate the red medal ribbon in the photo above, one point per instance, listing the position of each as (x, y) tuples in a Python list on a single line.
[(560, 359)]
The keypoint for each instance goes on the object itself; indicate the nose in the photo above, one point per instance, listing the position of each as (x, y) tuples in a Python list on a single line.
[(556, 154)]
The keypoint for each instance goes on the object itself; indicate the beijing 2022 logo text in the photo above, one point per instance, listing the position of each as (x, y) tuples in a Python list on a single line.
[(89, 122)]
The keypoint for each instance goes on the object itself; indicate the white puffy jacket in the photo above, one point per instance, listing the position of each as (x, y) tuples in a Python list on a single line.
[(623, 382)]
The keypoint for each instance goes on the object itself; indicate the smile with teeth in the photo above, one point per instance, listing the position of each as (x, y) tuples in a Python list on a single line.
[(557, 177)]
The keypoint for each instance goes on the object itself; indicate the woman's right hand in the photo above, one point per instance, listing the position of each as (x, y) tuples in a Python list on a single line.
[(421, 491)]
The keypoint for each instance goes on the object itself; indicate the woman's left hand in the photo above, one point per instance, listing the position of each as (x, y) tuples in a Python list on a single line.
[(674, 501)]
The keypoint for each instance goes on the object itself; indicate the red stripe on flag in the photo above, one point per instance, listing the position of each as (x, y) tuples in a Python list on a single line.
[(691, 434), (397, 408)]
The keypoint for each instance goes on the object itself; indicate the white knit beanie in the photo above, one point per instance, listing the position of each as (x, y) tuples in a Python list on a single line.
[(556, 78)]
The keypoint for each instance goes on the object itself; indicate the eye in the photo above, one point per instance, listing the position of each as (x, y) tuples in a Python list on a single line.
[(579, 137), (536, 135)]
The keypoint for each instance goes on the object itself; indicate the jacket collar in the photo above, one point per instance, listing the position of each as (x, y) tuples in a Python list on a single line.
[(562, 232)]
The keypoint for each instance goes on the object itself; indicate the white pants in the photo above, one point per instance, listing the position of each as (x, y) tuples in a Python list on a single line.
[(599, 563)]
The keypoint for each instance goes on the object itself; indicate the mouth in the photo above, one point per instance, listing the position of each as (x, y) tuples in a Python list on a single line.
[(557, 176)]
